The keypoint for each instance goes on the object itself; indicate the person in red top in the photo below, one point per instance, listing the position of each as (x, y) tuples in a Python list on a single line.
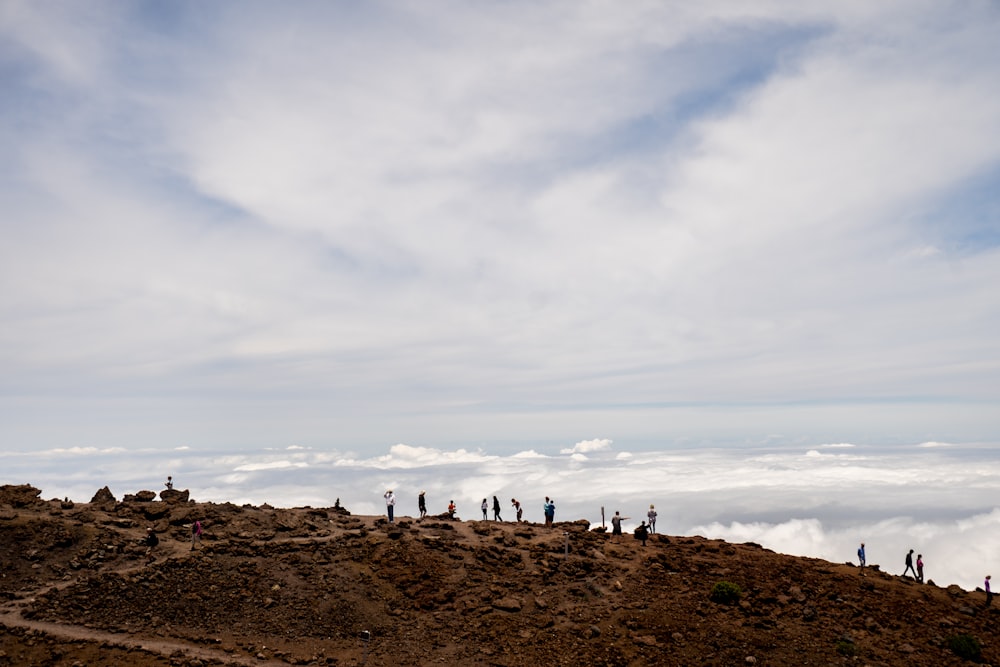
[(195, 533)]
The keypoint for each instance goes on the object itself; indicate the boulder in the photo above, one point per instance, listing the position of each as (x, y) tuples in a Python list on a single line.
[(103, 496), (174, 496), (21, 495)]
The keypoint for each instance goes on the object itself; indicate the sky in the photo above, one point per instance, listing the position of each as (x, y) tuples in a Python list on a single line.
[(233, 228)]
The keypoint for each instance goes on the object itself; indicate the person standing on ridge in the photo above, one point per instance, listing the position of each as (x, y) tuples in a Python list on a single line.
[(616, 524), (920, 568), (651, 516), (861, 558), (169, 483), (909, 565), (422, 504), (485, 506), (496, 509), (390, 503), (550, 510), (451, 509), (641, 533), (989, 595), (517, 508)]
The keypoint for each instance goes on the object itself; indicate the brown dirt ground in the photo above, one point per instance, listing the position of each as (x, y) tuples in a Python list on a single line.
[(299, 586)]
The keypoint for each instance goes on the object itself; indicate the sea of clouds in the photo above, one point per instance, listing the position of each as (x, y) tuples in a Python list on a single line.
[(937, 498)]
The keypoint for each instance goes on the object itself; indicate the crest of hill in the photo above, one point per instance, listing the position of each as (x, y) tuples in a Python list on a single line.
[(307, 586)]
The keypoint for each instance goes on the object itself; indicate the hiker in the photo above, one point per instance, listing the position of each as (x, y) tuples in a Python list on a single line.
[(485, 506), (550, 510), (151, 540), (909, 565), (195, 533), (641, 533), (517, 508), (422, 504), (651, 515), (390, 502), (170, 482), (920, 568), (989, 595), (451, 509), (616, 524), (861, 558), (496, 510)]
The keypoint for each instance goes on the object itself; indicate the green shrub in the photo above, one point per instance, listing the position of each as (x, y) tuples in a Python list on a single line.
[(845, 647), (725, 592), (966, 647)]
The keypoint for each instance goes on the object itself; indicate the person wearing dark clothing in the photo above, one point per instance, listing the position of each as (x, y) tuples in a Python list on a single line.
[(641, 533), (989, 595), (861, 558), (920, 568), (909, 565), (616, 524), (451, 509), (151, 540), (422, 504), (496, 510)]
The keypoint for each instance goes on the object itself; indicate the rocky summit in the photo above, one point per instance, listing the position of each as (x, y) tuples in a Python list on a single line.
[(321, 586)]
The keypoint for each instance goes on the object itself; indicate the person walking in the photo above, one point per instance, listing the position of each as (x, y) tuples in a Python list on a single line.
[(989, 595), (651, 516), (861, 558), (151, 541), (485, 506), (422, 504), (195, 533), (920, 568), (641, 533), (496, 510), (909, 565), (517, 508), (390, 503)]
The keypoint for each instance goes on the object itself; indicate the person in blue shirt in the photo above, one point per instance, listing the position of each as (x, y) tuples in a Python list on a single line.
[(861, 558)]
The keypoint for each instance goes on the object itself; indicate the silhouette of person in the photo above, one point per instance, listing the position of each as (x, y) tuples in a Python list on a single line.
[(989, 595), (641, 533), (651, 515), (170, 482), (422, 504), (909, 565), (920, 568), (496, 509)]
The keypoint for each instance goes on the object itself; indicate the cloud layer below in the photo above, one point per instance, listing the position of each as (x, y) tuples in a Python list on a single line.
[(937, 498)]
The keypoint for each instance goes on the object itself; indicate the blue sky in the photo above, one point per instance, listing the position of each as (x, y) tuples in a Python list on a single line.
[(504, 225)]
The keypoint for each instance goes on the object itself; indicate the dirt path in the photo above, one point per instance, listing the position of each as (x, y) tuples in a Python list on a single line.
[(13, 619)]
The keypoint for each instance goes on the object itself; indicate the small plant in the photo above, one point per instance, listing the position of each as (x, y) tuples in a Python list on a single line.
[(966, 647), (847, 648), (725, 592)]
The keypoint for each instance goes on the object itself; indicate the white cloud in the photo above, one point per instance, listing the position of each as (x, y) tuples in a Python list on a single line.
[(585, 446)]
